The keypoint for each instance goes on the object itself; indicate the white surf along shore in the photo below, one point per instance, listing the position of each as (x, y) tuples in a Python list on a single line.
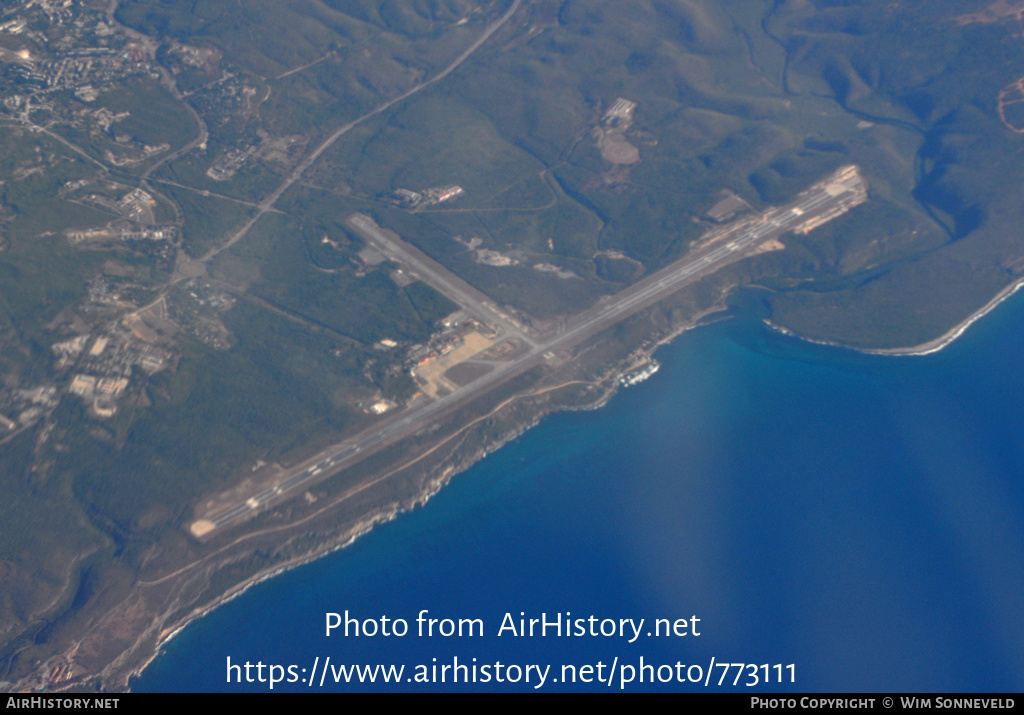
[(932, 346), (612, 377)]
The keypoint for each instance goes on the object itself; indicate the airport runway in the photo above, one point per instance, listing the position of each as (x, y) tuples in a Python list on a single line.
[(440, 278), (823, 198)]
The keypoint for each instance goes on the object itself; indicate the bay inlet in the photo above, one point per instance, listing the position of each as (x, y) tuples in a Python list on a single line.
[(860, 517)]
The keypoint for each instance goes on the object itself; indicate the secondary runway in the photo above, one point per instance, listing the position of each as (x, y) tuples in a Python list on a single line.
[(821, 199), (440, 278)]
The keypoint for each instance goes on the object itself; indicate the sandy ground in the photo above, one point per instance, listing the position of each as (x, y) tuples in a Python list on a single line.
[(433, 372), (616, 149)]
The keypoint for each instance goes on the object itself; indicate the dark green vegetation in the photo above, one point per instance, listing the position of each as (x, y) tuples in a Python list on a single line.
[(354, 54), (154, 117), (40, 275), (206, 220), (760, 100), (271, 38), (759, 97), (722, 104), (142, 113), (252, 183), (934, 82), (46, 533), (312, 269), (279, 388)]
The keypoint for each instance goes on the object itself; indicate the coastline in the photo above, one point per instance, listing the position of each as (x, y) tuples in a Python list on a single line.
[(437, 474), (434, 486), (168, 634), (450, 467), (531, 546), (927, 348), (453, 464)]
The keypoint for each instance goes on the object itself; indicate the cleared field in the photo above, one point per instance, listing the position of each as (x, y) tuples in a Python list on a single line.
[(431, 375)]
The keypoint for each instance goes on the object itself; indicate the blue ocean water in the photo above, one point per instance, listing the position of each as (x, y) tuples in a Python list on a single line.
[(859, 517)]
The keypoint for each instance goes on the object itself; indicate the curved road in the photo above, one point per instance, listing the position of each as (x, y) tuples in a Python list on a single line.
[(268, 203)]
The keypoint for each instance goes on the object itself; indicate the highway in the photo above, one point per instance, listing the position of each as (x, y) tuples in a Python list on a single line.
[(820, 199), (270, 201)]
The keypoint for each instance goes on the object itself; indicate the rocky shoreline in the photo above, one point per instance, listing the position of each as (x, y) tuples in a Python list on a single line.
[(333, 529), (605, 386)]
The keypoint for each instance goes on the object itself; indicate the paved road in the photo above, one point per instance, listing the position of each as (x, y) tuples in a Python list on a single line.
[(268, 203), (440, 278), (649, 291)]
